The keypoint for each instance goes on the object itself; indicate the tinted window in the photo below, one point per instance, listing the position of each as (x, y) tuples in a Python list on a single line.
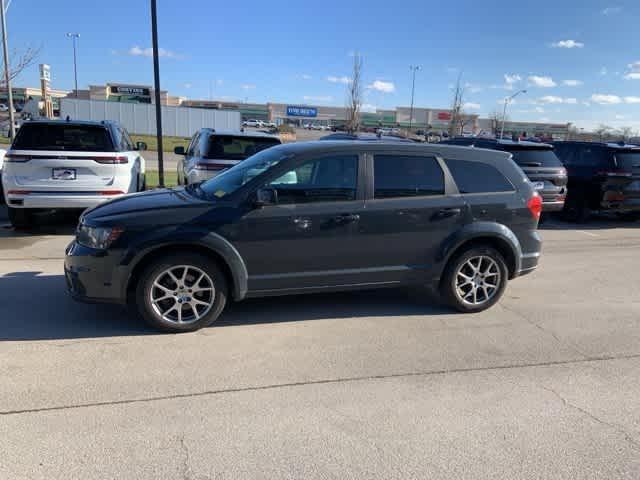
[(476, 177), (32, 136), (405, 176), (127, 144), (229, 147), (564, 152), (327, 179), (535, 157), (592, 156)]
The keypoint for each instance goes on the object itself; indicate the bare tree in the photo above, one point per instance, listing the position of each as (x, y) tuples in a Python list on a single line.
[(626, 133), (495, 118), (602, 132), (354, 95), (457, 113), (19, 61)]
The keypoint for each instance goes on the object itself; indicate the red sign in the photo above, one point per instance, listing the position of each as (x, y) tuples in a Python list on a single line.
[(444, 116)]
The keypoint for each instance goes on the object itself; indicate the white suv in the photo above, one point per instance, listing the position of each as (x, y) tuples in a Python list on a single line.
[(54, 164)]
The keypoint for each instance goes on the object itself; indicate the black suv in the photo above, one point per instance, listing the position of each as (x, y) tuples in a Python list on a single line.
[(313, 217), (537, 160), (602, 176)]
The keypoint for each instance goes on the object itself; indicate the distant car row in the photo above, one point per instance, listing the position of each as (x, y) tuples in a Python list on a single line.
[(258, 124)]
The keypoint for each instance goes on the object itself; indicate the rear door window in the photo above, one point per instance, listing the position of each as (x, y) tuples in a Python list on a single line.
[(477, 177), (535, 157), (229, 147), (407, 176), (63, 137)]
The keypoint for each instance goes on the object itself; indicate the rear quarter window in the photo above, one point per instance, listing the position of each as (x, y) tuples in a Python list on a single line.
[(535, 157), (478, 177), (63, 137)]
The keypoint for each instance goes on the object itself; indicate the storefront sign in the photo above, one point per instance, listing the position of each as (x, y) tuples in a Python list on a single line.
[(293, 111), (122, 90)]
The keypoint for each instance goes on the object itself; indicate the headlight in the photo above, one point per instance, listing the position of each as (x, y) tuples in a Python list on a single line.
[(97, 237)]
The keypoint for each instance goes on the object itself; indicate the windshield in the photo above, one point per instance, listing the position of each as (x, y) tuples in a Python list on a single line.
[(535, 157), (230, 147), (234, 178), (67, 137)]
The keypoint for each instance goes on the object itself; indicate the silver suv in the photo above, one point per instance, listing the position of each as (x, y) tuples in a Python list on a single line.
[(211, 152)]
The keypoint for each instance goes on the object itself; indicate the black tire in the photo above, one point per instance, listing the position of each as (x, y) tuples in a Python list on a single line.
[(576, 209), (20, 217), (153, 316), (448, 287)]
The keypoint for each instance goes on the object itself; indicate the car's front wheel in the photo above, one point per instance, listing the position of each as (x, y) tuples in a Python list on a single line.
[(181, 293), (20, 217), (474, 279)]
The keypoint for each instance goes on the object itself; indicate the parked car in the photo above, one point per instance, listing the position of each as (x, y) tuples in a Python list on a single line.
[(211, 152), (366, 137), (54, 164), (602, 177), (269, 125), (4, 107), (537, 160), (358, 215), (3, 152), (253, 123)]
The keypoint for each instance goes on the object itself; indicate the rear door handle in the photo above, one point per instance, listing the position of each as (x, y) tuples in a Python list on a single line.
[(446, 213), (347, 218)]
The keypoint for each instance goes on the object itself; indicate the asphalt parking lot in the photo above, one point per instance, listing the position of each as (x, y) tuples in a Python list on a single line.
[(358, 385)]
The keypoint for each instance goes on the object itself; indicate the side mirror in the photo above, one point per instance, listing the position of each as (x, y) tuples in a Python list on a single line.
[(141, 146), (179, 150), (266, 196)]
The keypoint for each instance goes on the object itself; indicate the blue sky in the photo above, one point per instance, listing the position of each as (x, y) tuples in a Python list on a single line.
[(578, 60)]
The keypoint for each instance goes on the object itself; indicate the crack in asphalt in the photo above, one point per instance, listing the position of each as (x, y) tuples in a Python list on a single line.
[(221, 391), (635, 444), (548, 332)]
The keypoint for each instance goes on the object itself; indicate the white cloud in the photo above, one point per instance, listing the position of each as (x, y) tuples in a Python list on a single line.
[(551, 99), (509, 80), (632, 76), (571, 101), (136, 51), (318, 98), (471, 106), (620, 117), (333, 79), (567, 44), (603, 71), (605, 99), (543, 82), (572, 83), (611, 10), (306, 76), (382, 86), (248, 86), (631, 99)]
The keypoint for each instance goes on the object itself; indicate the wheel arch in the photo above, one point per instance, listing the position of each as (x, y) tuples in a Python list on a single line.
[(212, 246)]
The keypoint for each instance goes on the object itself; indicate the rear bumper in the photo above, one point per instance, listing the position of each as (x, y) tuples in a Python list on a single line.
[(552, 206), (529, 263), (57, 200)]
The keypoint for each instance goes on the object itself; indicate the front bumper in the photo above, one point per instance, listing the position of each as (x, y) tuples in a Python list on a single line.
[(94, 276)]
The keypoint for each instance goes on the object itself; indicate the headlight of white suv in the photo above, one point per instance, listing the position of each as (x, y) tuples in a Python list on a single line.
[(97, 237)]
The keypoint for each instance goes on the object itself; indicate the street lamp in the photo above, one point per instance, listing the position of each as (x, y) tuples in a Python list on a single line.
[(504, 111), (74, 37), (414, 69), (7, 73), (156, 86)]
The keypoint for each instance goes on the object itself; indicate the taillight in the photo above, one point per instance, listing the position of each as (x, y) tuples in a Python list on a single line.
[(111, 192), (211, 166), (535, 206), (616, 173), (12, 157), (111, 160)]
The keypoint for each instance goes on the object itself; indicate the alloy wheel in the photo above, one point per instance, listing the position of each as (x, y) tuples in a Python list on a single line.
[(477, 280)]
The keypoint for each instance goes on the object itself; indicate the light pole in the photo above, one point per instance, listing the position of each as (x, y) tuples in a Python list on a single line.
[(7, 74), (504, 111), (414, 69), (156, 84), (74, 38)]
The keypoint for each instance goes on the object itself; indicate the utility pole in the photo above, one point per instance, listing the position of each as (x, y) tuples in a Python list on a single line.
[(504, 111), (414, 69), (74, 37), (156, 84), (7, 73)]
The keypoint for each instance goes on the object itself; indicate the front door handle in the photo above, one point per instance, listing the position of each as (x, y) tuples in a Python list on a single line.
[(347, 218), (446, 213)]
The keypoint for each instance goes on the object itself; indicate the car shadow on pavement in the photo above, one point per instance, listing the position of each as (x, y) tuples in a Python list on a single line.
[(595, 222), (37, 307)]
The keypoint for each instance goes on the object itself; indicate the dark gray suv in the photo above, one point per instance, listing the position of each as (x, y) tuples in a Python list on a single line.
[(313, 217)]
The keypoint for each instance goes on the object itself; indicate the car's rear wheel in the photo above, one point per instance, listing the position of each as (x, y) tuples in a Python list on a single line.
[(20, 217), (474, 279), (181, 293)]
